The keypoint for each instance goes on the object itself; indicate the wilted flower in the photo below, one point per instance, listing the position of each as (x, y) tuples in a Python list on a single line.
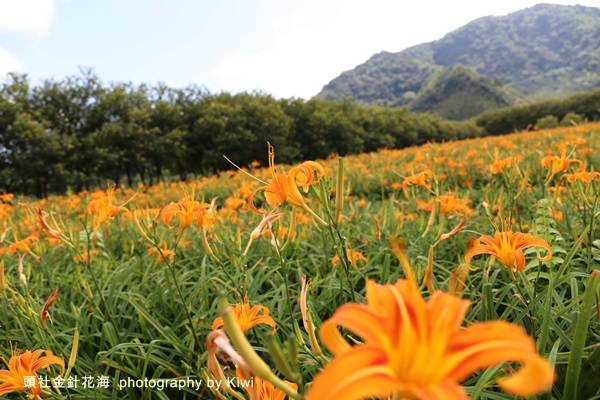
[(44, 314)]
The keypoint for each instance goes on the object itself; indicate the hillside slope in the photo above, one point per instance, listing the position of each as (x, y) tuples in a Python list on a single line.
[(545, 51)]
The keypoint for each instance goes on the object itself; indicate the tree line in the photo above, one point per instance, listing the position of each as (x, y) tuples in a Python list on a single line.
[(586, 105), (78, 133)]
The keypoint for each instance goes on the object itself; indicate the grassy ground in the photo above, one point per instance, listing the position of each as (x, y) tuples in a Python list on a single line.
[(139, 289)]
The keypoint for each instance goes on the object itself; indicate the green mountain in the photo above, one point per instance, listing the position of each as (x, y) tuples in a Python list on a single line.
[(546, 51), (458, 93), (387, 79)]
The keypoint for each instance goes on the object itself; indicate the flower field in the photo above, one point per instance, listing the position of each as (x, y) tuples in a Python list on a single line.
[(467, 269)]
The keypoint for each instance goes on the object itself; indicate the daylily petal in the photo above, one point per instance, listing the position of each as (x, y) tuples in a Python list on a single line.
[(417, 349), (27, 364), (332, 339), (477, 250), (535, 376), (247, 317), (313, 178), (340, 379), (448, 390), (45, 362), (357, 318), (283, 187), (507, 247), (251, 200), (519, 260), (485, 344), (533, 242), (277, 191)]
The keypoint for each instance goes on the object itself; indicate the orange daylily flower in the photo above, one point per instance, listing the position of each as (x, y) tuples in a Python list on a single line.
[(417, 349), (247, 317), (6, 197), (583, 176), (448, 205), (22, 371), (5, 210), (557, 215), (23, 246), (283, 187), (362, 203), (260, 389), (233, 203), (103, 208), (162, 253), (498, 166), (557, 164), (189, 210), (421, 179), (353, 256), (85, 256), (507, 247)]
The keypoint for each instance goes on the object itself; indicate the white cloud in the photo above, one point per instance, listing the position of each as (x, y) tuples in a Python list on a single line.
[(27, 15), (322, 38), (8, 63)]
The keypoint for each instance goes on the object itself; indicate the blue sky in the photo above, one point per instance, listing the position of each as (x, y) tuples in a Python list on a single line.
[(284, 48)]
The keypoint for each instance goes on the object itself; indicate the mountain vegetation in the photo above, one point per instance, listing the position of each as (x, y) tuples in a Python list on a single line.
[(458, 93), (546, 51)]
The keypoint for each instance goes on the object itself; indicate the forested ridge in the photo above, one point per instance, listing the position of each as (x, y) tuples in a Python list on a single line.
[(78, 133)]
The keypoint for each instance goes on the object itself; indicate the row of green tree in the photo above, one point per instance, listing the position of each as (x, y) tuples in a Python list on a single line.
[(79, 134), (505, 120)]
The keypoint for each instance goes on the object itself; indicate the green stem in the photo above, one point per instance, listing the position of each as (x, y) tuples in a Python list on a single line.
[(178, 288), (580, 336), (285, 280), (179, 292), (543, 337), (88, 264), (314, 215), (339, 190), (341, 246)]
